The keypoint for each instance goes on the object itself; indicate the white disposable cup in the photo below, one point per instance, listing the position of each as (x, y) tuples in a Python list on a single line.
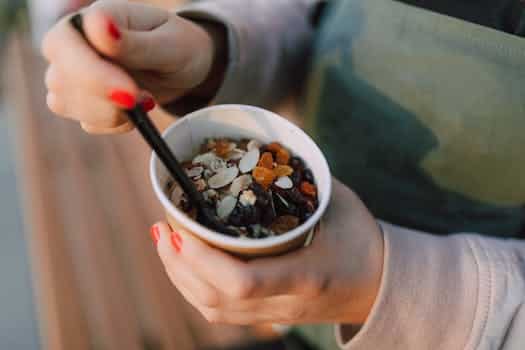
[(187, 134)]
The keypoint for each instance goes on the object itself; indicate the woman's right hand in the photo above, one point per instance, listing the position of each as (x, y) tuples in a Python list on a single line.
[(150, 55)]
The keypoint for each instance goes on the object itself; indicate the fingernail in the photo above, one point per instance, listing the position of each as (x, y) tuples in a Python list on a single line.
[(155, 234), (148, 104), (122, 99), (176, 241), (113, 30)]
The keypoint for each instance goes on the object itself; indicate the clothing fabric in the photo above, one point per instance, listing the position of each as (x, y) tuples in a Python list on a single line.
[(422, 115)]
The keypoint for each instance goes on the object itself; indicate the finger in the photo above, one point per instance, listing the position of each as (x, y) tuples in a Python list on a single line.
[(202, 293), (217, 316), (54, 80), (91, 110), (131, 16), (136, 49), (96, 130), (55, 104), (81, 65), (296, 273), (146, 101), (227, 274)]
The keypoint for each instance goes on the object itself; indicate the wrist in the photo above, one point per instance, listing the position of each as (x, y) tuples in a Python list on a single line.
[(367, 280), (215, 76)]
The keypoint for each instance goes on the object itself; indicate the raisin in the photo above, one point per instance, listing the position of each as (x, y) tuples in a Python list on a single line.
[(295, 196), (236, 216), (308, 176), (308, 189), (282, 206), (267, 216), (244, 215), (243, 144), (297, 178), (185, 204), (263, 176), (282, 157), (296, 163), (266, 161), (188, 165)]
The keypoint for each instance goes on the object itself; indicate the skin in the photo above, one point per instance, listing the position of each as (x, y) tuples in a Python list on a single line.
[(160, 54), (334, 280)]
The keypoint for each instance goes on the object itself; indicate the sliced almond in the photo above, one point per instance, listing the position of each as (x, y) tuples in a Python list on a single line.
[(284, 182), (176, 194), (236, 154), (253, 144), (218, 164), (226, 206), (240, 184), (223, 177), (210, 195), (249, 161), (195, 171), (248, 198), (205, 159)]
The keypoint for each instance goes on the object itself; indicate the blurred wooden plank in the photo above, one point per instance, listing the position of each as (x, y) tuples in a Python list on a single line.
[(100, 280), (62, 321)]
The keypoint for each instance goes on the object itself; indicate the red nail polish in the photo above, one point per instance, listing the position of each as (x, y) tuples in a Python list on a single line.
[(148, 104), (176, 241), (155, 234), (122, 99), (113, 30)]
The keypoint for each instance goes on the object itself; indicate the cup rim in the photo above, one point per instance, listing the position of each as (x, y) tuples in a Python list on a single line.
[(220, 238)]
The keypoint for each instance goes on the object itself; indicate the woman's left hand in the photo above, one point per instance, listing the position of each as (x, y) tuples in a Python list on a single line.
[(336, 279)]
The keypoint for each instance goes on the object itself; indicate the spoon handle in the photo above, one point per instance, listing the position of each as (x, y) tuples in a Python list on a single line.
[(152, 136)]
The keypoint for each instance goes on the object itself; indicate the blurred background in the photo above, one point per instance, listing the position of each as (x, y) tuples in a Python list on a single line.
[(77, 267)]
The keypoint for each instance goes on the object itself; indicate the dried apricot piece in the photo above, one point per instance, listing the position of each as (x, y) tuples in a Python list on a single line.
[(274, 147), (308, 189), (283, 170), (282, 157), (263, 176), (266, 161)]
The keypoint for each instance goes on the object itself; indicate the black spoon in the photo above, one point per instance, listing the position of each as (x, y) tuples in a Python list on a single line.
[(151, 135)]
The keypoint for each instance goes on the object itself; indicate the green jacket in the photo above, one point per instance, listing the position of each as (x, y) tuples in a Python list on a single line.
[(423, 116)]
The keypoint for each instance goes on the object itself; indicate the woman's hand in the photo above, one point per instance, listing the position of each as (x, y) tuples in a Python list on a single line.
[(336, 279), (145, 48)]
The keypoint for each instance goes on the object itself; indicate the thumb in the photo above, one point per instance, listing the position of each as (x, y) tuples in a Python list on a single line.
[(134, 39)]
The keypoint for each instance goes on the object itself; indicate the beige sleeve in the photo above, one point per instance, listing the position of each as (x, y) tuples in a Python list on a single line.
[(456, 292), (269, 44)]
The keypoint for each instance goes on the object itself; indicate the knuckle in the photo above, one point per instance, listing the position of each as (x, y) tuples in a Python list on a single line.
[(49, 45), (315, 285), (52, 79), (245, 286), (113, 118), (55, 104), (209, 298), (294, 313)]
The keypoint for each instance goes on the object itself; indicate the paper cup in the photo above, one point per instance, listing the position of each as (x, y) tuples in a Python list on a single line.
[(187, 134)]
